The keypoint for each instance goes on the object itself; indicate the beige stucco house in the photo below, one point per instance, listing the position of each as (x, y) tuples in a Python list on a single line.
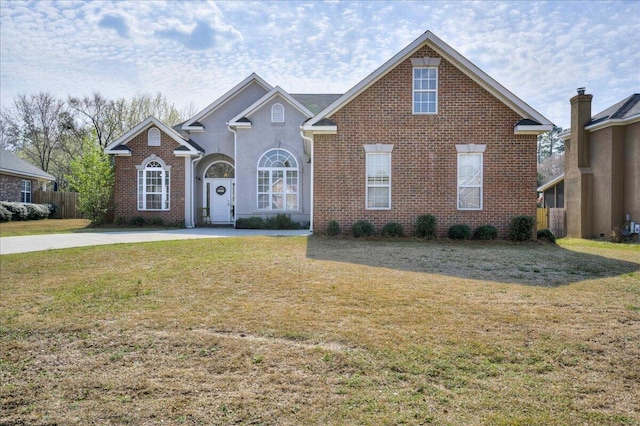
[(602, 167)]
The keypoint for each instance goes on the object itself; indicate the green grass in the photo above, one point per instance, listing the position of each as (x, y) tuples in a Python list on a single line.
[(46, 226), (322, 331)]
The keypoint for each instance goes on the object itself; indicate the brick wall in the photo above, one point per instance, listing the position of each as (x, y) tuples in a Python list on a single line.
[(10, 187), (126, 182), (424, 157)]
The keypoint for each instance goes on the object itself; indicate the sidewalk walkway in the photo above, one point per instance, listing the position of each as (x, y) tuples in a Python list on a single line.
[(29, 243)]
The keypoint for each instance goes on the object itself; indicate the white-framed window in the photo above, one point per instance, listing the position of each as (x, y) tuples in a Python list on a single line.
[(278, 180), (25, 191), (154, 184), (470, 176), (277, 113), (153, 137), (425, 90), (378, 176)]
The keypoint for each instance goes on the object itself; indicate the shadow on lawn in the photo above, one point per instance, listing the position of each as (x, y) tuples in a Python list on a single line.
[(531, 263)]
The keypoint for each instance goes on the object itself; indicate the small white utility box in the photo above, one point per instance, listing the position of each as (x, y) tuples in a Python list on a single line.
[(637, 229)]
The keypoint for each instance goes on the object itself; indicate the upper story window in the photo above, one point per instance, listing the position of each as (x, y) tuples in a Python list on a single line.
[(278, 181), (470, 176), (153, 185), (153, 137), (25, 191), (425, 90), (277, 113)]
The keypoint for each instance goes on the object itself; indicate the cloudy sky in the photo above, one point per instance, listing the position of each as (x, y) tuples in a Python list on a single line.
[(194, 51)]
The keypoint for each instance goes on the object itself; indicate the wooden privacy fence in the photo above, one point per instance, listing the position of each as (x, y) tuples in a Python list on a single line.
[(553, 219), (67, 203)]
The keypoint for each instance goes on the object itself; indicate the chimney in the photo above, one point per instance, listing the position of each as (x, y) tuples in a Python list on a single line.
[(580, 116)]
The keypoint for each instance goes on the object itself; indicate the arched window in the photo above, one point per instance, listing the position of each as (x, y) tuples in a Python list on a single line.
[(277, 181), (153, 137), (220, 170), (153, 184), (277, 113)]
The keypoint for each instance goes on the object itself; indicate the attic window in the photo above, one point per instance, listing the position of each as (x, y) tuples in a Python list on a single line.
[(277, 113), (153, 137)]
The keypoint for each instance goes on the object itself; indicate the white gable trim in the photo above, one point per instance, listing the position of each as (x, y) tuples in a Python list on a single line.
[(456, 59), (224, 98), (124, 139), (264, 100), (530, 129)]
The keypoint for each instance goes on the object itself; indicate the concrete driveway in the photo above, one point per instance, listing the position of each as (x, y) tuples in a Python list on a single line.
[(29, 243)]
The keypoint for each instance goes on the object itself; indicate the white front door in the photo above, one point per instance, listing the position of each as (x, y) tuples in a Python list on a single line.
[(221, 196)]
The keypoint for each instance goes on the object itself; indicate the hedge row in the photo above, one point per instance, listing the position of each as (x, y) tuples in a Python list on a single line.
[(10, 210)]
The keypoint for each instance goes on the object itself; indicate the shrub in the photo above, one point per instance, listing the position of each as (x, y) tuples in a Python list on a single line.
[(120, 221), (281, 221), (485, 232), (333, 228), (362, 228), (521, 228), (36, 211), (156, 221), (53, 208), (459, 232), (5, 214), (251, 223), (18, 210), (137, 221), (546, 235), (392, 229), (426, 226)]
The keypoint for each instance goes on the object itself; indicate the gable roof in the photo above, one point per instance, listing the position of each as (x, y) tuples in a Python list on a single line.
[(241, 119), (623, 112), (456, 59), (185, 147), (316, 102), (11, 164), (193, 124), (553, 182)]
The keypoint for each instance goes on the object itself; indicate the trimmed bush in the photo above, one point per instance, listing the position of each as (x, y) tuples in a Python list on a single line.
[(362, 228), (120, 221), (281, 221), (546, 235), (426, 226), (485, 232), (392, 229), (36, 211), (251, 223), (5, 214), (521, 228), (53, 208), (18, 210), (333, 228), (156, 221), (459, 232), (137, 221)]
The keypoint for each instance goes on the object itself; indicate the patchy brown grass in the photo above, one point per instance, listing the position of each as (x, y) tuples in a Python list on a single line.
[(321, 331), (46, 226)]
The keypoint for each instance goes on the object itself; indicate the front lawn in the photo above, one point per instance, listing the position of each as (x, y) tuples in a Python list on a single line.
[(293, 331), (45, 226)]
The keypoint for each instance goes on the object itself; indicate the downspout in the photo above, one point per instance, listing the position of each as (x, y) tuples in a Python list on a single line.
[(235, 170), (311, 184), (193, 190)]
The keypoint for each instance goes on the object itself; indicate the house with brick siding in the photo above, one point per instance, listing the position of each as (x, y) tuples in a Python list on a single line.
[(426, 133), (19, 178)]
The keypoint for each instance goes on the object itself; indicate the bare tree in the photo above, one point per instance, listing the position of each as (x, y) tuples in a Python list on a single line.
[(97, 114)]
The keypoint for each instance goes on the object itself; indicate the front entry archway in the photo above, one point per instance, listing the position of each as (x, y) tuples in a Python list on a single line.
[(219, 193)]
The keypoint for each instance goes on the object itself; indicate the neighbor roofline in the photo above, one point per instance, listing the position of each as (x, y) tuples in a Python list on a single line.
[(455, 58), (551, 183)]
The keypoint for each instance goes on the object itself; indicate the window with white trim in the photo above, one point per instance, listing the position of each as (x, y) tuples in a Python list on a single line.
[(278, 181), (25, 191), (470, 176), (153, 185), (153, 137), (378, 169), (277, 113), (425, 90)]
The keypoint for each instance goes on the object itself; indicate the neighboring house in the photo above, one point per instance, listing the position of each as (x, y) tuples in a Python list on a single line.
[(553, 193), (426, 133), (602, 167), (19, 179)]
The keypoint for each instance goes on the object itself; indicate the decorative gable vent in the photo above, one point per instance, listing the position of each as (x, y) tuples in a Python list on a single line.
[(277, 113), (153, 137)]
